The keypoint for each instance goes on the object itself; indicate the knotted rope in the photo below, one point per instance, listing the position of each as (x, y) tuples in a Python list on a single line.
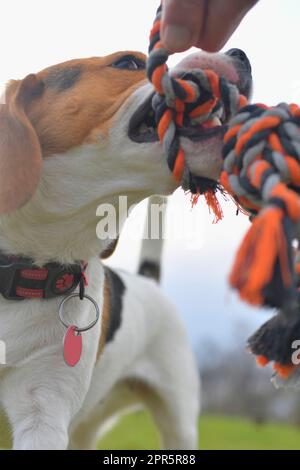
[(262, 173), (186, 100)]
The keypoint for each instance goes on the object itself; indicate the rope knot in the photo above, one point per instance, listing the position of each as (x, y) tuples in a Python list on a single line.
[(262, 172), (184, 101)]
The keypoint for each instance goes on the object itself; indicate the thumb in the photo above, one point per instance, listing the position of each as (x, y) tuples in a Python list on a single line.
[(182, 23)]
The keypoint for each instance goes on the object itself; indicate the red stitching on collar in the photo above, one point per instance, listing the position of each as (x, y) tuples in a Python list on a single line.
[(38, 274), (29, 293)]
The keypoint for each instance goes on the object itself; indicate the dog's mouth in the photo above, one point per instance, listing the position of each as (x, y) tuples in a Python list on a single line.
[(143, 127)]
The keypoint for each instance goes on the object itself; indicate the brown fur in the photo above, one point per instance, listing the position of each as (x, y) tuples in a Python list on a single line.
[(20, 151), (40, 119), (66, 119), (110, 249), (104, 318)]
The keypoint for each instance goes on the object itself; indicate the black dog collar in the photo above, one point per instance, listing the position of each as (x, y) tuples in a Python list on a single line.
[(21, 279)]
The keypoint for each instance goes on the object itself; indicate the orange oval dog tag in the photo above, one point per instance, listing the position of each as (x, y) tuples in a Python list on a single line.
[(72, 346)]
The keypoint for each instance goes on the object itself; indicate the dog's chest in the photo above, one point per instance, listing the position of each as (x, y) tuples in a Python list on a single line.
[(27, 326)]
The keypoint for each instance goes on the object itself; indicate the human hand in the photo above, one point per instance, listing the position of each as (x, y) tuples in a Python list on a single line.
[(207, 24)]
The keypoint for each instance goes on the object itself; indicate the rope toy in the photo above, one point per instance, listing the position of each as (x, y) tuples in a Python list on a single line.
[(261, 171), (184, 100)]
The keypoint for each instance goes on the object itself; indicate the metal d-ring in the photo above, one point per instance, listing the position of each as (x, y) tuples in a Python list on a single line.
[(77, 329)]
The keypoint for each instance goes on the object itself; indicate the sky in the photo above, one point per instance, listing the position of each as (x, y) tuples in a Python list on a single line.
[(35, 34)]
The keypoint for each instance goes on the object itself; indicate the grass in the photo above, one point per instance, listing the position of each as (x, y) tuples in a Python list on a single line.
[(137, 431)]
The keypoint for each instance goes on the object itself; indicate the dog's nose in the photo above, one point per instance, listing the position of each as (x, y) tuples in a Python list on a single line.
[(194, 61), (242, 65), (234, 65), (221, 64), (240, 56)]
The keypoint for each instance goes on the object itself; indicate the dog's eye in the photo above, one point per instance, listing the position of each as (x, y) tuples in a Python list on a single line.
[(129, 62)]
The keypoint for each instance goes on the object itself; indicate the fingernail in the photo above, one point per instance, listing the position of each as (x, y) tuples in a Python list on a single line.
[(176, 37)]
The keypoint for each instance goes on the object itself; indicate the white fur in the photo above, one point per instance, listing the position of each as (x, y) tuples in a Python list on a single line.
[(149, 361), (42, 397), (150, 348)]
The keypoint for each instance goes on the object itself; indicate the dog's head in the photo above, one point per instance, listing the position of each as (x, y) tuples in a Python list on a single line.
[(82, 132)]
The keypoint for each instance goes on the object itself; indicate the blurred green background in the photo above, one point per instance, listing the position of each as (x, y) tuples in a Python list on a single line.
[(136, 431)]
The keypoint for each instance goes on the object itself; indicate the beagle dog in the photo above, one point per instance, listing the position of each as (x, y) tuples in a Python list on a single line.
[(73, 137)]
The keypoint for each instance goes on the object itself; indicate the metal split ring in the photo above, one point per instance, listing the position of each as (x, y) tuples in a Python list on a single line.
[(77, 329)]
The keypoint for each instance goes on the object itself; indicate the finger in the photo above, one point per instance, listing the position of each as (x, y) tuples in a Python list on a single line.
[(182, 22), (221, 22)]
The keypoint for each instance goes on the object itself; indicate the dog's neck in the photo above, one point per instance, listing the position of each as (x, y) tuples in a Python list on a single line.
[(59, 224)]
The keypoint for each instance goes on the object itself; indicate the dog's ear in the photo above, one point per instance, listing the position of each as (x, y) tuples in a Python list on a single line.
[(20, 150)]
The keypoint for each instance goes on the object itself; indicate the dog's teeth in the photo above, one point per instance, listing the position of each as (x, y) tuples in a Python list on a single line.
[(216, 121), (219, 113)]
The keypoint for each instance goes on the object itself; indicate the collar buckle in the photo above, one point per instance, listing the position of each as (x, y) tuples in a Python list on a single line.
[(8, 274)]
